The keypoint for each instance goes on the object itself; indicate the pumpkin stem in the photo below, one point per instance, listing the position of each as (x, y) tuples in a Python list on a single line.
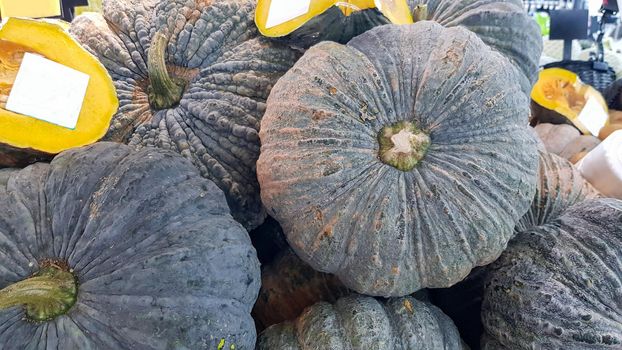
[(164, 92), (49, 293), (402, 145), (420, 13)]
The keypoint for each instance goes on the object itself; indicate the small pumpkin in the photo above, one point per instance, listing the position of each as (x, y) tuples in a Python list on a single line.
[(557, 286), (44, 139), (110, 248), (192, 77), (359, 322), (288, 286), (566, 141), (502, 24), (399, 161), (559, 97)]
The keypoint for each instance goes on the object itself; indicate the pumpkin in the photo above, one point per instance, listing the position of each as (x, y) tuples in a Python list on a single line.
[(192, 77), (566, 141), (399, 161), (558, 286), (559, 97), (44, 139), (560, 185), (288, 286), (110, 248), (502, 24), (359, 322)]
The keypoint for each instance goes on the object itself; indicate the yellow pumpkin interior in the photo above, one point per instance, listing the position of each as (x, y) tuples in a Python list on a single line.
[(49, 40), (397, 11), (562, 91)]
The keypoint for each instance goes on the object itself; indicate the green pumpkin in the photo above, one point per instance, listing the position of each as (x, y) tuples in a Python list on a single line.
[(398, 161), (359, 322), (558, 286), (192, 77), (111, 248)]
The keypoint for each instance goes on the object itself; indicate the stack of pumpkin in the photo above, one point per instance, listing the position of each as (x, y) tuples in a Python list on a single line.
[(392, 162)]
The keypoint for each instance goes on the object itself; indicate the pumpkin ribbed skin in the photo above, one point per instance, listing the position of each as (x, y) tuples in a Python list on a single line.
[(502, 24), (288, 286), (160, 262), (560, 186), (566, 141), (559, 286), (229, 70), (381, 230), (358, 322)]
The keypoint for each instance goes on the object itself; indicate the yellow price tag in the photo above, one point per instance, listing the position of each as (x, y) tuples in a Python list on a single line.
[(30, 8)]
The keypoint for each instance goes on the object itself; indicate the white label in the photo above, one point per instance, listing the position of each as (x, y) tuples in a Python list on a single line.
[(49, 91), (593, 116), (282, 11)]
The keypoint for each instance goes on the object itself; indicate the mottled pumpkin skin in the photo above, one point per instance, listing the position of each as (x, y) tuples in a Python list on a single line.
[(359, 322), (381, 230), (560, 186), (160, 262), (502, 24), (288, 286), (559, 286), (212, 45)]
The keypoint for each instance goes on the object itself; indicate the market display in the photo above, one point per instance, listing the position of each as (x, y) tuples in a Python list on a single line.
[(310, 175)]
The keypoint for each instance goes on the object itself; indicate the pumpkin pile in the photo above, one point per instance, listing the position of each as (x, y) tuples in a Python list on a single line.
[(362, 176)]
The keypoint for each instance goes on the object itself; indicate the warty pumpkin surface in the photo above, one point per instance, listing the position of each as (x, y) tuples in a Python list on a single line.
[(560, 186), (192, 77), (559, 286), (288, 286), (502, 24), (149, 255), (399, 161), (359, 322)]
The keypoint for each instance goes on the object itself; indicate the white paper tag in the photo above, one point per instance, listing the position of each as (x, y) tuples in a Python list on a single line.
[(49, 91), (282, 11), (593, 116)]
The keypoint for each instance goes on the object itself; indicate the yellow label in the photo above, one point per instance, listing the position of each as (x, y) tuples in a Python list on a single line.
[(30, 8)]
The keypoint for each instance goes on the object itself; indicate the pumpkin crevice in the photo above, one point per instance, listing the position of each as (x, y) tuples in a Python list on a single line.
[(403, 145)]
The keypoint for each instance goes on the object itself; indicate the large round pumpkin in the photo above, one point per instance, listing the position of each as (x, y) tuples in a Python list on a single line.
[(107, 248), (559, 286), (359, 322), (502, 24), (399, 161), (288, 286), (192, 77)]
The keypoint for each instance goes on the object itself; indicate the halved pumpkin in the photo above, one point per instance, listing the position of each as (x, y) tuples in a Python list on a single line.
[(560, 96), (24, 139), (396, 11)]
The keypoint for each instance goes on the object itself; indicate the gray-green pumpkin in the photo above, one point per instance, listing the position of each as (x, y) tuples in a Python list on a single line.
[(359, 322), (192, 77), (399, 161), (110, 248), (559, 286), (502, 24)]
